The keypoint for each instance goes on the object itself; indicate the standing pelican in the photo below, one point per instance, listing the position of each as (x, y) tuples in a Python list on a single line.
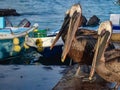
[(79, 43), (106, 63)]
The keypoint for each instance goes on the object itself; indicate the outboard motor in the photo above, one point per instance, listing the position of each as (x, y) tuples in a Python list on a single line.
[(24, 23)]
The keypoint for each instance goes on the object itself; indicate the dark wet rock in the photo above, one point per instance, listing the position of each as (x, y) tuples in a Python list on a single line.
[(48, 68), (93, 21), (21, 76), (8, 12), (118, 2), (84, 21), (70, 82), (16, 68)]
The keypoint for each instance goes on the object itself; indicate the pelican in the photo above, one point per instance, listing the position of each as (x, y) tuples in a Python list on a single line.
[(106, 63), (79, 43)]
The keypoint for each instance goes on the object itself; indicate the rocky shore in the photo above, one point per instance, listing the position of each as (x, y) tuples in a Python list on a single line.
[(8, 12)]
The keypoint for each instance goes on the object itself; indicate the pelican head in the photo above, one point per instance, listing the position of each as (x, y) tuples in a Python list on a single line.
[(104, 27), (104, 35), (75, 8), (71, 23), (75, 14)]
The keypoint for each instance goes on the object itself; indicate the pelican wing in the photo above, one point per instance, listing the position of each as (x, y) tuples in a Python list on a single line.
[(113, 60)]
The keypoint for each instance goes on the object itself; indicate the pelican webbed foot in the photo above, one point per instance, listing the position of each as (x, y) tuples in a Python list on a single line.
[(86, 79), (83, 74), (79, 73)]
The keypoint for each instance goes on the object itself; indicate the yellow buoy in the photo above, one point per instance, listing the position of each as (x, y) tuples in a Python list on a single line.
[(40, 49), (16, 48), (35, 30), (26, 35), (26, 46), (16, 41), (39, 44)]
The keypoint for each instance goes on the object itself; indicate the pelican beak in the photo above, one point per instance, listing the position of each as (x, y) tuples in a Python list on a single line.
[(75, 21), (101, 45), (63, 28)]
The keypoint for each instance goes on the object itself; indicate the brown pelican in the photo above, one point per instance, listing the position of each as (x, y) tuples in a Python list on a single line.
[(79, 43), (106, 63)]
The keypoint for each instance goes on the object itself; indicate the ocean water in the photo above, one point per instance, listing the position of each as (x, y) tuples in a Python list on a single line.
[(50, 13)]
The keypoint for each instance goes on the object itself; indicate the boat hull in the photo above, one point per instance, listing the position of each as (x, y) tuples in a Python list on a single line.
[(56, 51), (46, 52), (6, 48), (12, 40), (48, 56)]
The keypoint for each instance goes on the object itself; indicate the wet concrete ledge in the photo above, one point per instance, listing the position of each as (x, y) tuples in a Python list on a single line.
[(69, 82)]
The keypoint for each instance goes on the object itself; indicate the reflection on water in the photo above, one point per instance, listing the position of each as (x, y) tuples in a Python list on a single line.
[(35, 76), (30, 77), (31, 57)]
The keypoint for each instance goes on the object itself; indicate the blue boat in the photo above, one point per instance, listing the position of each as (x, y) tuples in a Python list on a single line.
[(12, 40)]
